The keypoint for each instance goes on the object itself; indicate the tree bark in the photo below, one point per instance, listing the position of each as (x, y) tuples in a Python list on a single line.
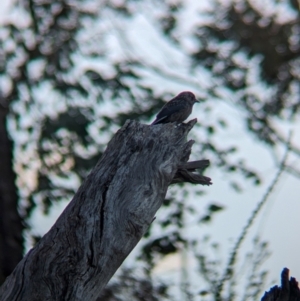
[(289, 290), (11, 240), (107, 217)]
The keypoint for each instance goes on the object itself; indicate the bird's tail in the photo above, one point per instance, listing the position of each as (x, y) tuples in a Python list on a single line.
[(158, 120)]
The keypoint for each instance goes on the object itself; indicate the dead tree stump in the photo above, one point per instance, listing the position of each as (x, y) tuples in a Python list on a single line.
[(108, 215)]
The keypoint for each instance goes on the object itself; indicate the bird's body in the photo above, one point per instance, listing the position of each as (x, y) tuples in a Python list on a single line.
[(177, 109)]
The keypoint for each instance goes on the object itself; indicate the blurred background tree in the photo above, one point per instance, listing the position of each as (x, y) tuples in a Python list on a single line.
[(72, 72)]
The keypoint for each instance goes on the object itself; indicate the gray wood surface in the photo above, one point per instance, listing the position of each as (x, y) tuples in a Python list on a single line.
[(107, 217)]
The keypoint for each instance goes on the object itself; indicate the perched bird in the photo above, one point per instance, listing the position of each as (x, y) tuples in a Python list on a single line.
[(177, 109)]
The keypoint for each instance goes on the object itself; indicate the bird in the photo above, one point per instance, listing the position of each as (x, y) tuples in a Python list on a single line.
[(177, 109)]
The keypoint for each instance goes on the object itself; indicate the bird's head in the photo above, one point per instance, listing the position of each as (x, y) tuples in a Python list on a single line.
[(188, 96)]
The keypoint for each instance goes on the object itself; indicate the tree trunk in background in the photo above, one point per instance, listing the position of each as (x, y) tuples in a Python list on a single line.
[(11, 240), (289, 290), (107, 217)]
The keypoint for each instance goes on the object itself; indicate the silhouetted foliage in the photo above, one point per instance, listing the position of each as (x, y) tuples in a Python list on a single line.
[(242, 40)]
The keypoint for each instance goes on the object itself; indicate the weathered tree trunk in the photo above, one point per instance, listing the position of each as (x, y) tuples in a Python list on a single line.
[(289, 290), (108, 215), (11, 240)]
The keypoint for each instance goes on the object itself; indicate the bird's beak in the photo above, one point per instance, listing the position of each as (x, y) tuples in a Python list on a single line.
[(197, 100)]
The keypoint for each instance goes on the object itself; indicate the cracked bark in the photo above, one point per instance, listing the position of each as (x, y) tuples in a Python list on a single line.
[(108, 215)]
